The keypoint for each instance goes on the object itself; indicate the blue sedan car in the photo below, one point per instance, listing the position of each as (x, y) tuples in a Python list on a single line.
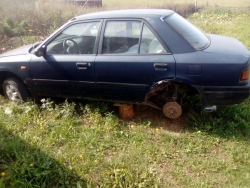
[(133, 57)]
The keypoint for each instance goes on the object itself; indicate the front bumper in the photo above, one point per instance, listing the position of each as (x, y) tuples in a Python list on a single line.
[(223, 95)]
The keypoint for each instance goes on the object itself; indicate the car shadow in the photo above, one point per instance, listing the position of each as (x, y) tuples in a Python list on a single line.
[(23, 165)]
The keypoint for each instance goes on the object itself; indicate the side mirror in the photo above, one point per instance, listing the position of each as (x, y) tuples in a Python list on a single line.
[(39, 52)]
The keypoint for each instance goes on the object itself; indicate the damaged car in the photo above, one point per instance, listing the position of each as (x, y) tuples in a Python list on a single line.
[(148, 56)]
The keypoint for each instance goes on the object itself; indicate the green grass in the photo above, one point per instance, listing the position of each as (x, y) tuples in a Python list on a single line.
[(224, 22), (76, 145), (87, 145)]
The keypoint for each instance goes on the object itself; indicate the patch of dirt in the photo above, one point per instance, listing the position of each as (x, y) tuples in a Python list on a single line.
[(158, 120)]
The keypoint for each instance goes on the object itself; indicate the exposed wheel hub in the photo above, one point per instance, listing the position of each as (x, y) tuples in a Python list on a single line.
[(172, 110)]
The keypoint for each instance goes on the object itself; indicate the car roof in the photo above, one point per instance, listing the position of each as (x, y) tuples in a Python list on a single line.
[(131, 13)]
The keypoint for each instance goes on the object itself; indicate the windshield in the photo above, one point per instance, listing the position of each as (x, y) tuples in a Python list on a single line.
[(42, 43), (188, 31)]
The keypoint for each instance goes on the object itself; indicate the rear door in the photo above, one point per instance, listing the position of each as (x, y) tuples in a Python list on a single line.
[(131, 59)]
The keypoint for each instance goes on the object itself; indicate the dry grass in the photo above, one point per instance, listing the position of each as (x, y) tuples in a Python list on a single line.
[(38, 19), (44, 16), (149, 3)]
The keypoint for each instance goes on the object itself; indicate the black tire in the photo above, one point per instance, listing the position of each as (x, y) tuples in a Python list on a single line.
[(15, 90)]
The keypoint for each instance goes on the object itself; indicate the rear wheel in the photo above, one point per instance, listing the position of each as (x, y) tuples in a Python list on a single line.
[(172, 110), (15, 90)]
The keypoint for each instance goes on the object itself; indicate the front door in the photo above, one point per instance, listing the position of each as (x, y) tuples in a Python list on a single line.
[(67, 69)]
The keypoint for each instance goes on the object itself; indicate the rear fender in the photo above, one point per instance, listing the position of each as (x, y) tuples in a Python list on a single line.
[(168, 91)]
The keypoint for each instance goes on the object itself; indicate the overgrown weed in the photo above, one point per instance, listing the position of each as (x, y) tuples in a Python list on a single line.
[(224, 21), (227, 122), (40, 18), (71, 144), (77, 145)]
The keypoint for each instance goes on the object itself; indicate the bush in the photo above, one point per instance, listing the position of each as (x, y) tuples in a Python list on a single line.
[(40, 18), (11, 28), (228, 121), (36, 17)]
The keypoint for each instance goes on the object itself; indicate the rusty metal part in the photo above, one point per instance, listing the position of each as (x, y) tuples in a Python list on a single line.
[(176, 87), (152, 105), (172, 110), (120, 104), (156, 89)]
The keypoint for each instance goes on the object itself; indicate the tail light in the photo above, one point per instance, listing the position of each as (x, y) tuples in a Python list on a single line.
[(244, 74)]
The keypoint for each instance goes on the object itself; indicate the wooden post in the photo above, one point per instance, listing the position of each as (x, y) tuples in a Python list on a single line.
[(126, 111)]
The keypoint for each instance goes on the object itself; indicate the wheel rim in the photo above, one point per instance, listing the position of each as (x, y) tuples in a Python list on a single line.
[(12, 93), (172, 110)]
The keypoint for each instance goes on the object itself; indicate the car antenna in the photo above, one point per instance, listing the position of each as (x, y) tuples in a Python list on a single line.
[(82, 8)]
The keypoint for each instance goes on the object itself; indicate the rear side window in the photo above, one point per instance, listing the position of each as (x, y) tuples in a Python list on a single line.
[(130, 37), (196, 38), (149, 43), (119, 36)]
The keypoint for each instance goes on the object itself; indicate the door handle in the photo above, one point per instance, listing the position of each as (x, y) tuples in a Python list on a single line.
[(83, 65), (158, 65)]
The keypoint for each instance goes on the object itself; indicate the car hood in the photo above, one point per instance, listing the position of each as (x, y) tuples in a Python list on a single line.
[(226, 45), (19, 51)]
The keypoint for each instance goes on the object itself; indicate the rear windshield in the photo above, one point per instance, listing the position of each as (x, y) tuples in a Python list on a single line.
[(188, 31)]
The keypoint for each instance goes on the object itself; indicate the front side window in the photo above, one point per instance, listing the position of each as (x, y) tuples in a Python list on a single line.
[(76, 39), (196, 38)]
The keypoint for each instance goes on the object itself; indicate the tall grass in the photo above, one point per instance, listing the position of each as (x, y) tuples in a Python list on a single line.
[(77, 145), (34, 20), (223, 21), (210, 3), (42, 17)]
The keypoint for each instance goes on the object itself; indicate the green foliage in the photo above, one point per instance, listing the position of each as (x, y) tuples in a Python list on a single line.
[(224, 22), (190, 102), (221, 15), (227, 121), (100, 107), (11, 28), (75, 145)]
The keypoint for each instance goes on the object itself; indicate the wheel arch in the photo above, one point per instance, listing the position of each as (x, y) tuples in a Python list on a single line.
[(7, 74), (163, 85)]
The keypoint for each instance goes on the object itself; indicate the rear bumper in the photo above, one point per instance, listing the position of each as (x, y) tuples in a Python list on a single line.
[(223, 95)]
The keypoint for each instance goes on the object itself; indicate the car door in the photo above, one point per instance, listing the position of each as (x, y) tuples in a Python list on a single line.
[(67, 68), (132, 58)]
